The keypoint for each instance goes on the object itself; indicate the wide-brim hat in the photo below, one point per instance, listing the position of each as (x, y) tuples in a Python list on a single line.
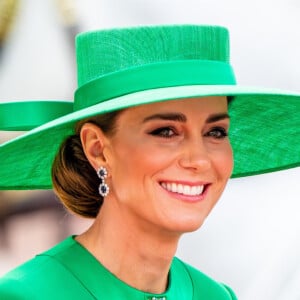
[(125, 67)]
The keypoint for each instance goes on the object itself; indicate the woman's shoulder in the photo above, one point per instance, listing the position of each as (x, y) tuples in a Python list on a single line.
[(204, 286), (36, 278)]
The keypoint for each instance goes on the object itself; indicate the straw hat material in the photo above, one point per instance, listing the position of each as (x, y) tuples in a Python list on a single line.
[(125, 67)]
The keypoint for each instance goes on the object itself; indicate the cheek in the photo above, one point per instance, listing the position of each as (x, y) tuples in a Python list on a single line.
[(137, 160), (140, 153), (223, 162)]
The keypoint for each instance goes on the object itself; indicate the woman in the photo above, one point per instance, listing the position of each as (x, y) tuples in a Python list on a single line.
[(146, 153)]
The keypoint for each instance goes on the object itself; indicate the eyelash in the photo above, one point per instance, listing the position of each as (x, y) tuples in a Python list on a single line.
[(215, 132), (161, 132)]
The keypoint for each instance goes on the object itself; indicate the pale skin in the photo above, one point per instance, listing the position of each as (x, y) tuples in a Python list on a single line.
[(155, 148)]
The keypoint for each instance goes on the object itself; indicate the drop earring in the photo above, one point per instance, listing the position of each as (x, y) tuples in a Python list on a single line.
[(103, 187)]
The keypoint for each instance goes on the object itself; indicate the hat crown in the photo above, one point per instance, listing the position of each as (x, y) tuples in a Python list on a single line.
[(107, 51)]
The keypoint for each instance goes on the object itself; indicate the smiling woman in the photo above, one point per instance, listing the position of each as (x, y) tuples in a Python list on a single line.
[(147, 154), (150, 150)]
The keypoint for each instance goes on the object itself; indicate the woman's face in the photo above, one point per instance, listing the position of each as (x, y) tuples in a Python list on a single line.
[(169, 162)]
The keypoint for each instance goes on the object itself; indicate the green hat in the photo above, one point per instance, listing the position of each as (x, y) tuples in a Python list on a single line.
[(121, 68)]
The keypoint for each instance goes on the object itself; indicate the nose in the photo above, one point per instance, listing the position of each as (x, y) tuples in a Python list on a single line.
[(195, 156)]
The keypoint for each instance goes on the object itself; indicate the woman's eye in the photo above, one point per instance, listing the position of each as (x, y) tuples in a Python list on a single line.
[(165, 132), (217, 133)]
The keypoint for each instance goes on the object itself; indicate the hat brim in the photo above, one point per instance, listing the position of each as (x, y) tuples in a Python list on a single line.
[(265, 125)]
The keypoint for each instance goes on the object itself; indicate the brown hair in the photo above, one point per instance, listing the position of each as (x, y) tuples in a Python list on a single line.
[(75, 182)]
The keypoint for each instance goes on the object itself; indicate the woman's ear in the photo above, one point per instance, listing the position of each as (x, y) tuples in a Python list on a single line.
[(93, 140)]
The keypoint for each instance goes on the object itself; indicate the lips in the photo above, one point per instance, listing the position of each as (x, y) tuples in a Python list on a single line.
[(183, 189)]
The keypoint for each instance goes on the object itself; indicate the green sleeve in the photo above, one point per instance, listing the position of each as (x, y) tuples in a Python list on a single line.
[(42, 278), (230, 291), (11, 289)]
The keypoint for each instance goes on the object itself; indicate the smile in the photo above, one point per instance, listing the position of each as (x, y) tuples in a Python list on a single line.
[(188, 190)]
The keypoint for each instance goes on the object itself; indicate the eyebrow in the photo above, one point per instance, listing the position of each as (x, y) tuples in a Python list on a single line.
[(179, 117), (217, 117)]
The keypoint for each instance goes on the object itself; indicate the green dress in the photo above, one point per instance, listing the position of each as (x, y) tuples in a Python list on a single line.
[(69, 271)]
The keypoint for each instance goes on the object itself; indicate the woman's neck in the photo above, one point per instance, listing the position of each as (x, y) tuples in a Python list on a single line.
[(139, 257)]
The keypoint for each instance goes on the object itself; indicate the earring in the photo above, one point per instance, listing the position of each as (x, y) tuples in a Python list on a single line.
[(103, 187)]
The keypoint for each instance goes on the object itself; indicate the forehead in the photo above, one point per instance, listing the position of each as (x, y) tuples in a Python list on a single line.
[(199, 105)]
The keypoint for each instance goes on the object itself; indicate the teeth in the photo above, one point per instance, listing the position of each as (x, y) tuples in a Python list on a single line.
[(183, 189)]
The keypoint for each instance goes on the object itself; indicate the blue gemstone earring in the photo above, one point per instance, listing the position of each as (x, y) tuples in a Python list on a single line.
[(103, 187)]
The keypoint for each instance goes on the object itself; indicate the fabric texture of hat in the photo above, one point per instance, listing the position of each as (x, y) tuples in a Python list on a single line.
[(125, 67)]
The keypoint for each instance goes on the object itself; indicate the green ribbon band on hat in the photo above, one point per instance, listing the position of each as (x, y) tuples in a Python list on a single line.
[(164, 74), (22, 116)]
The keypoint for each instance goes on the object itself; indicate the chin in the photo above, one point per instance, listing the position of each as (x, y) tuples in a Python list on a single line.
[(188, 225)]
